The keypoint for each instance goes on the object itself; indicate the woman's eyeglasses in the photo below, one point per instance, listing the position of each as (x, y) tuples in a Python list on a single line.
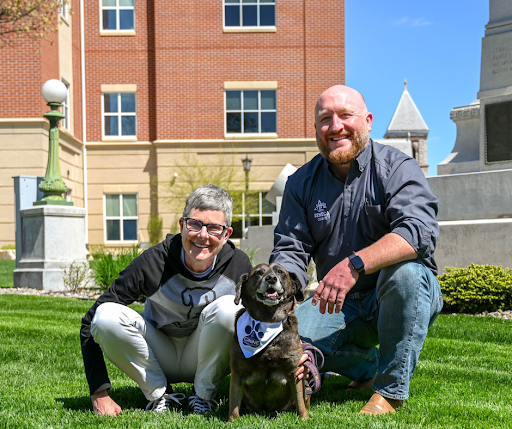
[(194, 225)]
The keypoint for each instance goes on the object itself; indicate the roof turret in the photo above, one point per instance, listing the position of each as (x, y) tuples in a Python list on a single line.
[(407, 119)]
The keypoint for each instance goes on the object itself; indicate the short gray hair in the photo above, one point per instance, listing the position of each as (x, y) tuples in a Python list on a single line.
[(210, 197)]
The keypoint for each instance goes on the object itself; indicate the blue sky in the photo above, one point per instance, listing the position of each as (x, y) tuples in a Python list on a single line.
[(435, 44)]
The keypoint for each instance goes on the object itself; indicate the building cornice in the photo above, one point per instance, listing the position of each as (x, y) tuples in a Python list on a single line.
[(213, 143), (106, 143), (465, 112), (5, 122), (71, 142), (66, 139), (234, 141)]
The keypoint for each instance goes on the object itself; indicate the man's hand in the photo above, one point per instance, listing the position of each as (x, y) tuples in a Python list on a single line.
[(302, 371), (104, 405), (333, 288)]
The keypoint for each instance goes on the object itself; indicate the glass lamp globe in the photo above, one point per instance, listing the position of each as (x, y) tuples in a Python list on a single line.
[(247, 163), (54, 91)]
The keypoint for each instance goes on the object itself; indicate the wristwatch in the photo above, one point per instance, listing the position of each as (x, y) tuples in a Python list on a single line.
[(357, 263)]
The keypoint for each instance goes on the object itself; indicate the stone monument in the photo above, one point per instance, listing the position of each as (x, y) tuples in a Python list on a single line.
[(484, 128), (474, 185)]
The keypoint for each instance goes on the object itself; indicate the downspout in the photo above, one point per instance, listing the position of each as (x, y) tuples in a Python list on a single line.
[(84, 119)]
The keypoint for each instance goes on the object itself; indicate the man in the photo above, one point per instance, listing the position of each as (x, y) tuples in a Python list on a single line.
[(365, 213), (185, 330)]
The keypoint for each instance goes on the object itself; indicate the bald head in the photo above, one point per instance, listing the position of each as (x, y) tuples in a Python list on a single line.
[(341, 92), (343, 125)]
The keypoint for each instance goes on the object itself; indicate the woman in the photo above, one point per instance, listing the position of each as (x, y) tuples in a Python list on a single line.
[(185, 330)]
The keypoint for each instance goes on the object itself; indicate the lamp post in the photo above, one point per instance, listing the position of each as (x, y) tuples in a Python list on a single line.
[(247, 168), (54, 92)]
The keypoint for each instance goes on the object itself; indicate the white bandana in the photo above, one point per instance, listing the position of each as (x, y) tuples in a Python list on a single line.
[(253, 335)]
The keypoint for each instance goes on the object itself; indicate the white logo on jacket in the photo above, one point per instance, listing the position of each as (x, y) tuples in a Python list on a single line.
[(322, 213)]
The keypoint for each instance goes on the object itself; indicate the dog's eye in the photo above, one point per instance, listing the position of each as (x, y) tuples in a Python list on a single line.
[(259, 272), (280, 271)]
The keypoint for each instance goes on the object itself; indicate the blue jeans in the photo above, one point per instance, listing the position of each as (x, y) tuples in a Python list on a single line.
[(396, 316)]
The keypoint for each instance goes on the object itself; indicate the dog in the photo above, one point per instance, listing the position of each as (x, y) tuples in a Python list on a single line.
[(265, 380)]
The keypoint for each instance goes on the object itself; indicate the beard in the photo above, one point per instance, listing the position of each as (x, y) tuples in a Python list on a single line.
[(359, 141)]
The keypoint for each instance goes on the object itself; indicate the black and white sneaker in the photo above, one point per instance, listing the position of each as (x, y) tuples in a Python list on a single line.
[(199, 405), (163, 403)]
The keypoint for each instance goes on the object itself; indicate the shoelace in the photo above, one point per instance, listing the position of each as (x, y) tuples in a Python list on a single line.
[(199, 405), (161, 404)]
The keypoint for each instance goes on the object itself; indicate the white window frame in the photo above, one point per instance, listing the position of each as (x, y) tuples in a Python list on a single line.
[(260, 215), (258, 26), (117, 8), (119, 115), (64, 9), (121, 217), (66, 121), (242, 110)]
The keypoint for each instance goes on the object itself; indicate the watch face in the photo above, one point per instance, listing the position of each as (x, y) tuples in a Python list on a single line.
[(357, 263)]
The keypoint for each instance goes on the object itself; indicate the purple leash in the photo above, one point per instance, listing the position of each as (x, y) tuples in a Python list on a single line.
[(316, 362)]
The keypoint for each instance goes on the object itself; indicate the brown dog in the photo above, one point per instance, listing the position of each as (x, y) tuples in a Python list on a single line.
[(265, 381)]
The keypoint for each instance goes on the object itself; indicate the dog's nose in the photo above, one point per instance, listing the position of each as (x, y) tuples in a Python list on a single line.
[(271, 278)]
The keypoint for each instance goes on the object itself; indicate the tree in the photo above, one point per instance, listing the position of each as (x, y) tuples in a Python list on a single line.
[(224, 170), (32, 18), (155, 227)]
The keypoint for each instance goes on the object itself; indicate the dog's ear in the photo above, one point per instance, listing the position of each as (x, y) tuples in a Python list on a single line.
[(297, 287), (238, 289)]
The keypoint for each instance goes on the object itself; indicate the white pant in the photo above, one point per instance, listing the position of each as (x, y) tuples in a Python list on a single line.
[(152, 359)]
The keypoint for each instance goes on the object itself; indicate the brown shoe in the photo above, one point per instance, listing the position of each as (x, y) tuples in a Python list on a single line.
[(379, 405), (360, 385)]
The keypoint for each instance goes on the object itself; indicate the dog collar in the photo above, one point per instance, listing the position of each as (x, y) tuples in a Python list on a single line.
[(253, 335)]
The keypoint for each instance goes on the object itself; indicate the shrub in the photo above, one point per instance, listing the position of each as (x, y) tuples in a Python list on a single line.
[(77, 276), (9, 247), (107, 265), (477, 288), (250, 252)]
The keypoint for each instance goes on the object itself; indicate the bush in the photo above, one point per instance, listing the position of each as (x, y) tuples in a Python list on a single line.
[(250, 252), (9, 247), (477, 288), (107, 265), (77, 276)]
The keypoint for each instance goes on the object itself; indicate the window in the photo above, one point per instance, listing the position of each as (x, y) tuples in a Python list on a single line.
[(250, 13), (119, 114), (65, 122), (256, 208), (121, 220), (251, 112), (64, 9), (118, 15)]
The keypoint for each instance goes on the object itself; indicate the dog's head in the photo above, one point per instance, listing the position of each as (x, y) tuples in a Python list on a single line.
[(269, 291)]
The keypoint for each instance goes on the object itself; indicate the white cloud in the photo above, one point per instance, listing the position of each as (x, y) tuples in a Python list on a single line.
[(408, 22)]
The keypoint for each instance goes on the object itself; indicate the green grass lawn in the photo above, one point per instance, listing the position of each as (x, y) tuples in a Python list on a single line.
[(6, 270), (463, 379)]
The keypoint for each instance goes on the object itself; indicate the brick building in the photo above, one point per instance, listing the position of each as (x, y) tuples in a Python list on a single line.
[(150, 84)]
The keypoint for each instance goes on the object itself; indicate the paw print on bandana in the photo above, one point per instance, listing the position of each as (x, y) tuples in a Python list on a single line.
[(253, 334)]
